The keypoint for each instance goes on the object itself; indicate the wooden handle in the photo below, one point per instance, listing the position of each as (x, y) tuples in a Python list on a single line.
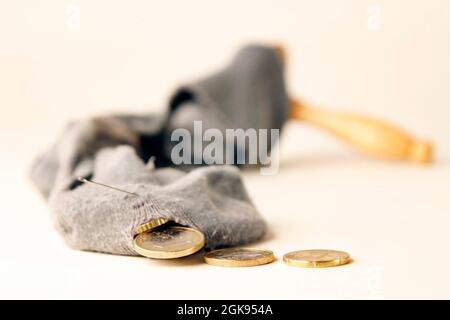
[(371, 136)]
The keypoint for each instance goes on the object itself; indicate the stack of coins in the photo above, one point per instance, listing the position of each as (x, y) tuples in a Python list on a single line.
[(160, 239), (317, 258)]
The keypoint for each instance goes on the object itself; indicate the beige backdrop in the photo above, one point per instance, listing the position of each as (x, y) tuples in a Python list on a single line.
[(386, 58)]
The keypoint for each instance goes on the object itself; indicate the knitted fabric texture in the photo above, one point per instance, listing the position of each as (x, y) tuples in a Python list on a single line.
[(114, 150)]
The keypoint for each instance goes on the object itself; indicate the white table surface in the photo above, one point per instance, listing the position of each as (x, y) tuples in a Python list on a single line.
[(393, 218)]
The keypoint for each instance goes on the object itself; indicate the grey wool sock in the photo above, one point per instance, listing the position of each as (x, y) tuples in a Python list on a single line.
[(211, 199), (249, 93)]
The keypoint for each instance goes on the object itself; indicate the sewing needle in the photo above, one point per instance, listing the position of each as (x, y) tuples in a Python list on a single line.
[(81, 179)]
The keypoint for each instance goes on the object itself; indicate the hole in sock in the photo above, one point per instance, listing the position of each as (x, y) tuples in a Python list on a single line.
[(76, 183)]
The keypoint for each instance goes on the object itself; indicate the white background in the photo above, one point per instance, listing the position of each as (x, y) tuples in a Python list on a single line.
[(385, 58)]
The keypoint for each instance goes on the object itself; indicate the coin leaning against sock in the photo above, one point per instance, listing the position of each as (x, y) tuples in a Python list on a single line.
[(168, 242)]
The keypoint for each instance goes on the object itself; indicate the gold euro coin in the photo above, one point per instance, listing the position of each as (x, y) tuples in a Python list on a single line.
[(150, 225), (169, 243), (316, 258), (239, 257)]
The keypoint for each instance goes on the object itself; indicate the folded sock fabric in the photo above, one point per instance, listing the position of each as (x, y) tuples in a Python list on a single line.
[(114, 149)]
